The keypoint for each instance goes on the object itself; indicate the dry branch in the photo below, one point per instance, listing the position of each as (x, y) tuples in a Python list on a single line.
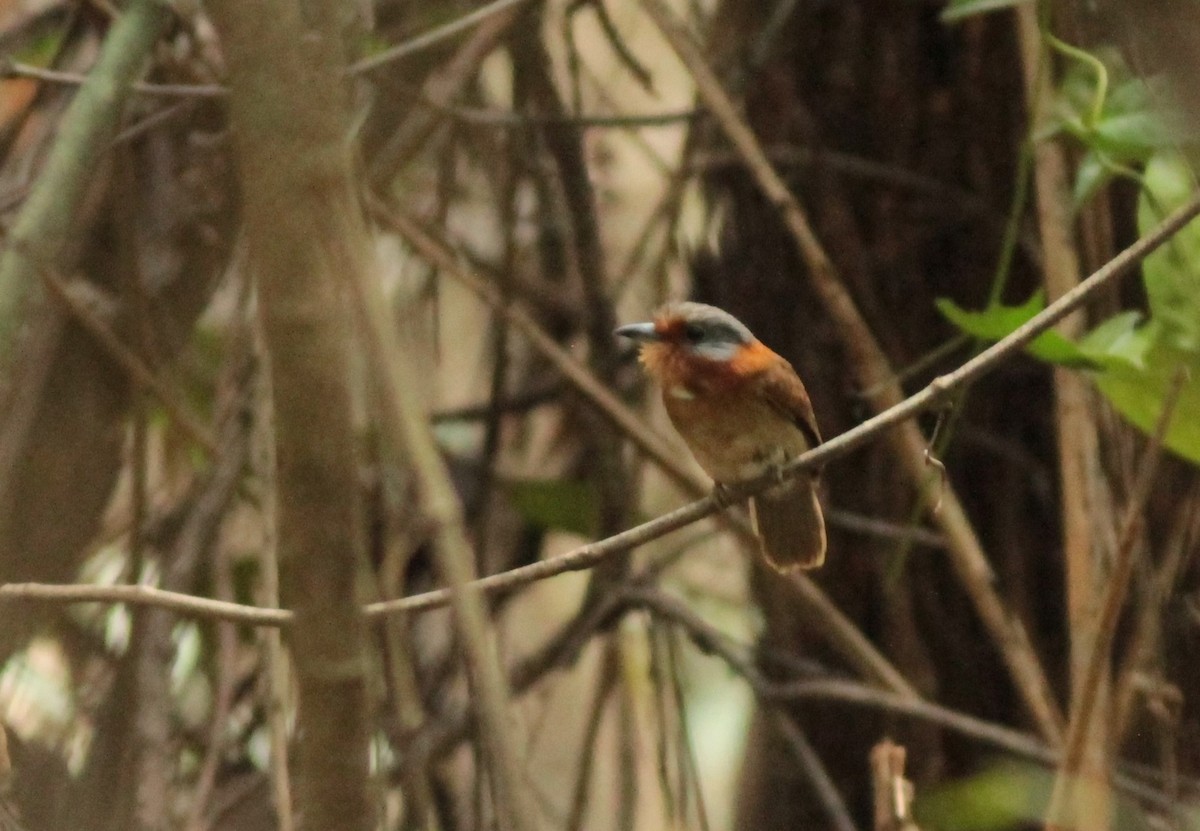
[(826, 789), (434, 35), (893, 792), (74, 298), (1074, 425)]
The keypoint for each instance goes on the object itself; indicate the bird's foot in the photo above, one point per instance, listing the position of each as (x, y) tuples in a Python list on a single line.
[(775, 471), (780, 483), (722, 495)]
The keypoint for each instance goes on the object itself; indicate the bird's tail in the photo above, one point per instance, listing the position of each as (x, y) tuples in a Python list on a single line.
[(790, 528)]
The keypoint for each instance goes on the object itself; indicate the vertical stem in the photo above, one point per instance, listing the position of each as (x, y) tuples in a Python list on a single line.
[(276, 678), (290, 113), (1070, 804), (1076, 431), (406, 429)]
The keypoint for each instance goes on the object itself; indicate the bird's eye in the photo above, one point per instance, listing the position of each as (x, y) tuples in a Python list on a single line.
[(693, 333)]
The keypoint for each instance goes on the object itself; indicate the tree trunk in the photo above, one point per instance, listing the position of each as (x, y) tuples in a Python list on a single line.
[(289, 113)]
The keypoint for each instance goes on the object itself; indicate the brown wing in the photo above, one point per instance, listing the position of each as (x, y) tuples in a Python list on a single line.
[(782, 388)]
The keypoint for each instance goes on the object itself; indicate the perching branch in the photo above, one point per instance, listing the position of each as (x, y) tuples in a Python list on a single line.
[(588, 555)]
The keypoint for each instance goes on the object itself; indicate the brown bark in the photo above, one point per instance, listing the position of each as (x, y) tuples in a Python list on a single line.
[(290, 116)]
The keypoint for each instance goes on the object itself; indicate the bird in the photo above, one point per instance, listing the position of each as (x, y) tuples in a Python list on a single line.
[(743, 412)]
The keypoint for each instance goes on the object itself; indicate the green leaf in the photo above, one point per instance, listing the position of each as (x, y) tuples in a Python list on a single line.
[(1000, 321), (1006, 796), (957, 10), (1132, 135), (1091, 176), (1120, 339), (1134, 122), (561, 504), (1172, 273), (1137, 393)]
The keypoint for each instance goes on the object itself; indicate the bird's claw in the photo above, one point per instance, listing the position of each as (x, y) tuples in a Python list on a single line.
[(722, 495), (775, 471)]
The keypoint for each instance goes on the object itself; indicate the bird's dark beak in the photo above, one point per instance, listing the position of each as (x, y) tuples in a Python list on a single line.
[(638, 332)]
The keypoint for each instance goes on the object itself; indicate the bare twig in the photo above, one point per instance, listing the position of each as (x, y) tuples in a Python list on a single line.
[(827, 790), (625, 55), (14, 69), (135, 367), (433, 36), (225, 671), (893, 792), (185, 604), (506, 120), (607, 676), (883, 529), (689, 773), (276, 681)]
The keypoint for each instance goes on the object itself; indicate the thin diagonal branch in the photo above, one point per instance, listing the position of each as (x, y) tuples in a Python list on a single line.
[(822, 783), (407, 430), (586, 555), (14, 69), (49, 218), (134, 366), (740, 660), (435, 35)]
